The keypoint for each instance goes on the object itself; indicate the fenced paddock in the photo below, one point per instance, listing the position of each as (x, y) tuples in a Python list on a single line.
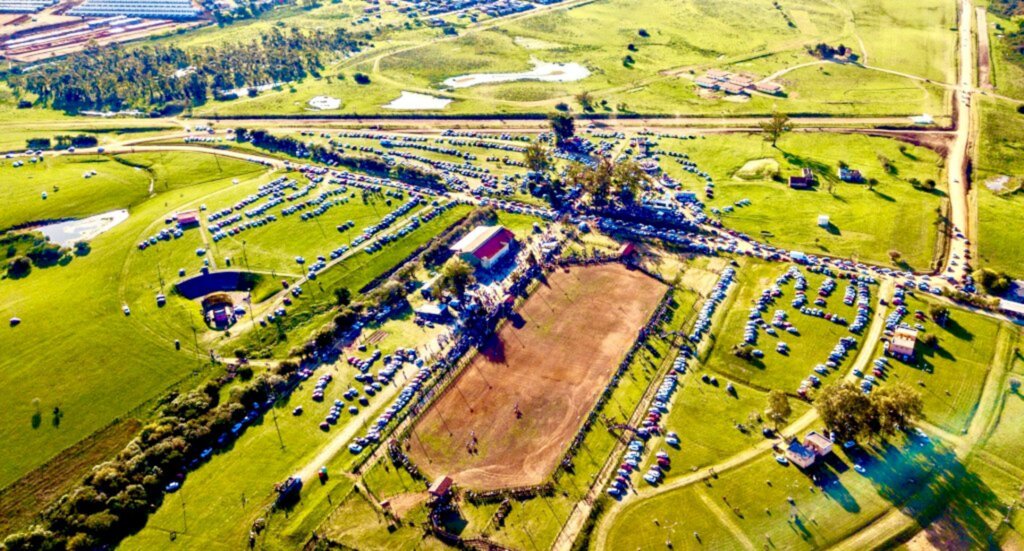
[(552, 363)]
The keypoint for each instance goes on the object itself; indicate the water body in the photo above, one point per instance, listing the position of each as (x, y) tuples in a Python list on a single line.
[(70, 232), (542, 71), (411, 101)]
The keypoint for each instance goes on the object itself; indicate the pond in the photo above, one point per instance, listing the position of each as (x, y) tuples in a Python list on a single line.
[(542, 71), (69, 232)]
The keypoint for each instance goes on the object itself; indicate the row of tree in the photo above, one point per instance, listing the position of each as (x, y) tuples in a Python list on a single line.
[(147, 77), (116, 497)]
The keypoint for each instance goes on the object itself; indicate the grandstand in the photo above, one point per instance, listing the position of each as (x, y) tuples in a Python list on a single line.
[(154, 9), (24, 6)]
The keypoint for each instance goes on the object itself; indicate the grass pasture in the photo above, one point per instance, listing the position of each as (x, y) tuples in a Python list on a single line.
[(69, 193), (999, 165), (576, 327), (77, 351), (865, 223), (951, 377)]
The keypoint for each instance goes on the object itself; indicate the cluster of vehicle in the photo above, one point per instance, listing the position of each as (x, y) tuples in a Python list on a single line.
[(661, 403), (165, 234), (860, 292), (878, 368), (631, 463), (707, 311), (320, 386), (405, 397), (322, 202), (835, 359)]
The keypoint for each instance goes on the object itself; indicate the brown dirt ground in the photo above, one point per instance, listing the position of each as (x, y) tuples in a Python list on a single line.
[(574, 332)]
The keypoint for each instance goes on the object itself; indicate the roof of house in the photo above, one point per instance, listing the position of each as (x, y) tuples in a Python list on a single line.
[(440, 486), (188, 217), (798, 449), (484, 242), (768, 86), (818, 440), (904, 337), (1011, 306)]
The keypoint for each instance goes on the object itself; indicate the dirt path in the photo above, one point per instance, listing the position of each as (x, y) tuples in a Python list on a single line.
[(984, 51)]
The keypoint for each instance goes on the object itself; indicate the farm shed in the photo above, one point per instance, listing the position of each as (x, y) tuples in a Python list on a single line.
[(903, 341)]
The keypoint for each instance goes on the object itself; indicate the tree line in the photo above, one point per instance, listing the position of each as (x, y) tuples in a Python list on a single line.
[(152, 77)]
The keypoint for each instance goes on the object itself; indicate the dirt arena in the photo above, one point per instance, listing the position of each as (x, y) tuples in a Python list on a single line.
[(574, 331)]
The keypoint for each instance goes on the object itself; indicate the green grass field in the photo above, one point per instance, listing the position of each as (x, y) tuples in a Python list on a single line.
[(75, 349), (999, 163), (865, 223), (681, 37), (951, 377)]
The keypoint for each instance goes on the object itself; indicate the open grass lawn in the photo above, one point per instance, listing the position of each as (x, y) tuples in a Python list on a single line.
[(69, 193), (706, 418), (783, 507), (685, 517), (356, 523), (811, 347), (865, 224), (680, 37), (1007, 66), (951, 378), (999, 165), (918, 38), (76, 350), (1003, 438)]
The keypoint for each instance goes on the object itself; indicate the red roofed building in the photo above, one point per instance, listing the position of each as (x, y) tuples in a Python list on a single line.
[(188, 219), (485, 245)]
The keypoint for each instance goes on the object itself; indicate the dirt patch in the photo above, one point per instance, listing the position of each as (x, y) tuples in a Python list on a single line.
[(403, 503), (984, 52), (552, 365), (944, 534)]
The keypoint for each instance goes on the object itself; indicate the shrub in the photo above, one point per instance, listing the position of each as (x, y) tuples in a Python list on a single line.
[(361, 78), (20, 266)]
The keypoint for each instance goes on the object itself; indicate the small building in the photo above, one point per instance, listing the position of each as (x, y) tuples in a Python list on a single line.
[(850, 175), (902, 343), (433, 312), (768, 88), (818, 444), (799, 455), (187, 219), (734, 89), (707, 82), (823, 220), (485, 245), (627, 250), (1011, 308), (440, 487), (804, 181)]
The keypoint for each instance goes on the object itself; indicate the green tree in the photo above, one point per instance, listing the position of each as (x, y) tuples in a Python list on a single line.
[(778, 407), (897, 406), (939, 314), (845, 410), (457, 274), (775, 127), (538, 158), (342, 296), (563, 125)]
